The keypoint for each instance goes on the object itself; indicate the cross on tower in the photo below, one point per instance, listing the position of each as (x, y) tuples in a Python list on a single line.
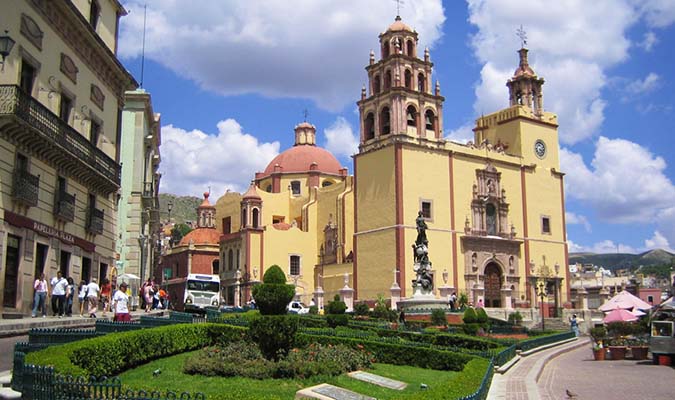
[(520, 32), (398, 7), (305, 113)]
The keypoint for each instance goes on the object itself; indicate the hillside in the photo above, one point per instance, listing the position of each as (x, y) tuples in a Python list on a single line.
[(615, 261), (184, 207)]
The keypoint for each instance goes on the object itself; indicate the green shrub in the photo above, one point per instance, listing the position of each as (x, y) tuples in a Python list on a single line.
[(274, 334), (314, 310), (470, 316), (515, 318), (273, 295), (481, 316), (598, 333), (462, 300), (471, 329), (361, 309), (111, 354), (438, 317), (336, 306), (335, 320)]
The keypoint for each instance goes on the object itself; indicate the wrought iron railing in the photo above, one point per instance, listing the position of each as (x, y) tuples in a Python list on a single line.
[(544, 340), (14, 101), (95, 220), (148, 189), (484, 388), (64, 206), (25, 187)]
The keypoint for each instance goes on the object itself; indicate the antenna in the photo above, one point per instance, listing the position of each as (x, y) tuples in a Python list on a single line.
[(520, 32), (145, 12)]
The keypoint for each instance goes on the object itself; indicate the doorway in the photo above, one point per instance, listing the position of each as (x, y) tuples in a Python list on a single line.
[(40, 259), (11, 271), (493, 285)]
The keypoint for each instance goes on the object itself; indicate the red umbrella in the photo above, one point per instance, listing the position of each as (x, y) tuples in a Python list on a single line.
[(619, 315)]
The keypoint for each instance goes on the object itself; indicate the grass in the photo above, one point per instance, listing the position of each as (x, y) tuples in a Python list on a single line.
[(442, 384)]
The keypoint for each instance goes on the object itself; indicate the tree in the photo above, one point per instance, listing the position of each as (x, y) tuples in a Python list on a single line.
[(178, 232)]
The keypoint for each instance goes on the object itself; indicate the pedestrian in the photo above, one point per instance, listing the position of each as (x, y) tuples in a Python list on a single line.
[(59, 286), (401, 318), (148, 295), (155, 297), (70, 294), (120, 304), (40, 298), (574, 324), (92, 297), (480, 303), (106, 290), (82, 296), (453, 301)]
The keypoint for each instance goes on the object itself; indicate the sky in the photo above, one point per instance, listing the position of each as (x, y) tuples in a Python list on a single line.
[(232, 78)]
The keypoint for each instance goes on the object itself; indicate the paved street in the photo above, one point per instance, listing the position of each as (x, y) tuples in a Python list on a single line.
[(625, 379)]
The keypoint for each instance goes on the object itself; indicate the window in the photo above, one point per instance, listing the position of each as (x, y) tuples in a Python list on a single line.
[(21, 162), (408, 79), (276, 219), (86, 269), (243, 218), (387, 79), (295, 188), (426, 209), (227, 225), (411, 116), (94, 132), (268, 189), (61, 184), (385, 121), (65, 108), (410, 48), (28, 74), (64, 263), (369, 127), (376, 84), (326, 183), (94, 13), (230, 260), (256, 218), (237, 259), (215, 265), (546, 225), (295, 265), (385, 50), (167, 273), (421, 83), (650, 299), (102, 272), (491, 219)]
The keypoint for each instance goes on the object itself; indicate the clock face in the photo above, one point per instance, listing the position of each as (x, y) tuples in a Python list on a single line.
[(540, 148)]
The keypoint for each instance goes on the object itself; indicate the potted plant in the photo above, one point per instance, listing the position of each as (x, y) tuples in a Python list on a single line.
[(598, 335), (617, 348), (638, 348)]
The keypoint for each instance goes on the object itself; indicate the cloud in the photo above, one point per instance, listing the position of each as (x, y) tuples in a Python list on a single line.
[(658, 13), (648, 42), (572, 57), (193, 160), (602, 247), (577, 219), (625, 182), (646, 85), (463, 134), (340, 139), (279, 49), (658, 241)]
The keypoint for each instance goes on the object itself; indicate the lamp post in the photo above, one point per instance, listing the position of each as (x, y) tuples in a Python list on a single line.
[(6, 45), (169, 207), (142, 239), (541, 292)]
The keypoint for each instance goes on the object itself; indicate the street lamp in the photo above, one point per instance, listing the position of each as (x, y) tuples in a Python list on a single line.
[(169, 207), (541, 292), (142, 239), (6, 44)]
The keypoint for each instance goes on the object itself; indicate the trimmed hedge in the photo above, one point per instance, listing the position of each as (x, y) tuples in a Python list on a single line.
[(459, 386), (389, 353), (110, 354), (444, 339)]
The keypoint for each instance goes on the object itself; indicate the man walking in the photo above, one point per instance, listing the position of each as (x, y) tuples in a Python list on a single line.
[(59, 285)]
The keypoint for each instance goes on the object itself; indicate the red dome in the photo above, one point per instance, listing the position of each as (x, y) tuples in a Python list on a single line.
[(300, 158), (201, 236)]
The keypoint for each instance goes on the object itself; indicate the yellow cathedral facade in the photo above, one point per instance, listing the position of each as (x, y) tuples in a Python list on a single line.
[(494, 207)]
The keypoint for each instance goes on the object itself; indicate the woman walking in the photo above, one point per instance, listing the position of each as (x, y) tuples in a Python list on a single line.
[(40, 300), (82, 296), (92, 297), (105, 294), (70, 294), (120, 304)]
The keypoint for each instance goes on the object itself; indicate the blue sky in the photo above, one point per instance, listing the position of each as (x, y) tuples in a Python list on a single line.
[(232, 78)]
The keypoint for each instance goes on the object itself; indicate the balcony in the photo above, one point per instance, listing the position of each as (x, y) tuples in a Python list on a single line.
[(95, 221), (25, 187), (148, 194), (25, 120), (64, 206)]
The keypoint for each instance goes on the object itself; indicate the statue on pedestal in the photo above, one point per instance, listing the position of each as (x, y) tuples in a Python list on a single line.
[(422, 265)]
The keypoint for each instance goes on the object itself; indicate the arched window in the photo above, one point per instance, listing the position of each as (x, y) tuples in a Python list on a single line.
[(237, 260), (376, 84), (429, 120), (385, 122), (410, 47), (491, 219), (369, 126), (243, 218), (256, 217), (421, 83), (385, 49), (387, 79), (408, 79), (215, 267), (295, 188), (411, 115), (230, 260)]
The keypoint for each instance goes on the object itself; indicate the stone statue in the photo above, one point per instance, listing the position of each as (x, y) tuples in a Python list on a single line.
[(421, 230)]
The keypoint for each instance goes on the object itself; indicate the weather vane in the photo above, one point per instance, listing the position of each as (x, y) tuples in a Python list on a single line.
[(520, 32), (398, 7), (305, 113)]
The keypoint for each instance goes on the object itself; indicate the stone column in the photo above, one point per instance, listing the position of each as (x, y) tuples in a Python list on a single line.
[(506, 297), (347, 294), (395, 290), (583, 298), (318, 296)]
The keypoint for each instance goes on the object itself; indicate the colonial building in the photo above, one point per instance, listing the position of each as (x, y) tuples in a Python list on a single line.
[(138, 223), (494, 207), (61, 95)]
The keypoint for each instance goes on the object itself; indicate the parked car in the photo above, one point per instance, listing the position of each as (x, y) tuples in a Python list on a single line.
[(296, 307)]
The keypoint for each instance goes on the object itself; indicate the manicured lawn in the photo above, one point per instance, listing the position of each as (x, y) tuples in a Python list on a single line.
[(450, 384)]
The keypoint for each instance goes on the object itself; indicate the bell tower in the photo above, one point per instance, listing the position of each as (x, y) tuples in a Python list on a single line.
[(400, 98), (525, 87)]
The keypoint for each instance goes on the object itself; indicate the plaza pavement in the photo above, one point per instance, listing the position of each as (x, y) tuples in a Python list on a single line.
[(550, 373)]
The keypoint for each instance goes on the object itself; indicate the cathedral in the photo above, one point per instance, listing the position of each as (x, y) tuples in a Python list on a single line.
[(494, 207)]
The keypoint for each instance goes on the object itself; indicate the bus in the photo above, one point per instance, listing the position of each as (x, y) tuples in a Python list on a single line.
[(195, 292)]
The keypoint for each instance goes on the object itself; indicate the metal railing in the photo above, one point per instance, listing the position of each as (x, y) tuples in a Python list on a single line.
[(544, 340), (59, 335), (95, 220), (505, 355), (25, 187), (64, 206), (148, 189), (14, 101), (484, 388)]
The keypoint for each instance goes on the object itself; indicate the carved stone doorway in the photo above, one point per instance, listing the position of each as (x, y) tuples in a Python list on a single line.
[(493, 285)]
